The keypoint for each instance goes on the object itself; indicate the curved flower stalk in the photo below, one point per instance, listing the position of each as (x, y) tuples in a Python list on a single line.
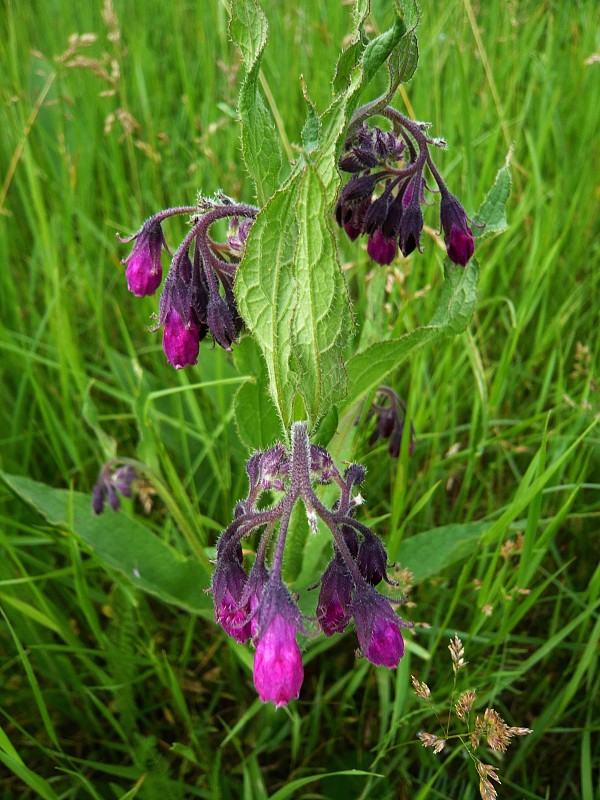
[(197, 296), (259, 606), (383, 198)]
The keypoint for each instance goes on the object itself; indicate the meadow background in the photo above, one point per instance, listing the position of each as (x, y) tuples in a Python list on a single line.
[(111, 692)]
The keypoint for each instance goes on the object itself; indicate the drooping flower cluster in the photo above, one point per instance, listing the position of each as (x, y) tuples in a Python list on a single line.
[(197, 296), (390, 422), (115, 479), (383, 198), (258, 605)]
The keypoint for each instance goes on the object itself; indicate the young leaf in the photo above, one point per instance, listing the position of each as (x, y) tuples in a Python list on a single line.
[(260, 142), (255, 416), (492, 212)]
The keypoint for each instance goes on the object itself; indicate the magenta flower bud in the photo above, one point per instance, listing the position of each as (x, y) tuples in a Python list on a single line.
[(144, 270), (180, 342), (278, 671), (381, 249), (333, 606), (460, 243), (228, 584), (377, 627)]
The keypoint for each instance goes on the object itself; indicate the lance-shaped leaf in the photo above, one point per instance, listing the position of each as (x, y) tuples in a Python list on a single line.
[(266, 294), (260, 142), (321, 319), (123, 544)]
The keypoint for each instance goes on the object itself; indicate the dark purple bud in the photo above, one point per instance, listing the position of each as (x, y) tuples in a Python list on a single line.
[(180, 342), (372, 559), (391, 224), (220, 321), (357, 160), (377, 627), (144, 270), (321, 465), (355, 226), (355, 474), (411, 226), (460, 243), (377, 213), (354, 193), (333, 606), (381, 249)]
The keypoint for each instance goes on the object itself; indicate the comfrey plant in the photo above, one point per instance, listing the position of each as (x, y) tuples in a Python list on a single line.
[(276, 283)]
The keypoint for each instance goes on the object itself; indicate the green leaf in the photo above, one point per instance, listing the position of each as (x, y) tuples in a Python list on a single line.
[(348, 60), (265, 292), (122, 543), (410, 11), (312, 126), (368, 369), (429, 553), (290, 788), (379, 49), (260, 143), (255, 416), (321, 314), (492, 212)]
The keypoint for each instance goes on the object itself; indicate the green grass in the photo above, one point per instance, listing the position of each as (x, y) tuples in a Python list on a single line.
[(109, 693)]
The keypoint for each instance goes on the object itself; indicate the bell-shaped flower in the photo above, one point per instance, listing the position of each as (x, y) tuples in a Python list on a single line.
[(229, 580), (380, 248), (181, 342), (333, 606), (377, 627), (144, 270), (278, 670), (458, 237)]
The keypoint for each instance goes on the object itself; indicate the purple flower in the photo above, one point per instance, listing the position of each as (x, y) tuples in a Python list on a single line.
[(278, 670), (180, 342), (380, 248), (333, 606), (228, 584), (460, 243), (144, 270), (111, 483), (377, 627)]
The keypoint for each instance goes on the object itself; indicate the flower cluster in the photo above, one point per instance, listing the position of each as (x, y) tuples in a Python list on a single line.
[(390, 422), (197, 296), (257, 605), (115, 479), (383, 198)]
